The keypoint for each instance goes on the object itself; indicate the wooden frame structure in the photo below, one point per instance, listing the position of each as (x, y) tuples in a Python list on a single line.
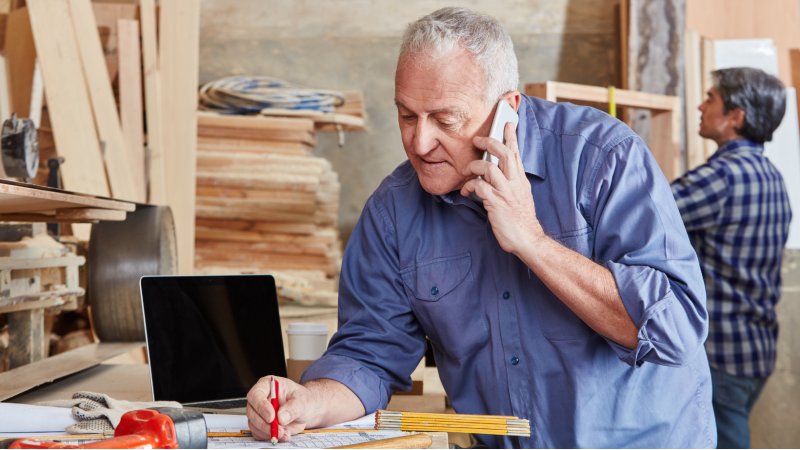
[(664, 139), (39, 277)]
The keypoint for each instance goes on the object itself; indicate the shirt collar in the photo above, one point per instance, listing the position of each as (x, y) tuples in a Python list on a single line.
[(738, 145), (529, 139)]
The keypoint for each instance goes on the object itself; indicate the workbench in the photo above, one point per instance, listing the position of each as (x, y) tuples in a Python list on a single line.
[(124, 377)]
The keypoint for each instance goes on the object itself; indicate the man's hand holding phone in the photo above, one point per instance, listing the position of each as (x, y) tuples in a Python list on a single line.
[(502, 186)]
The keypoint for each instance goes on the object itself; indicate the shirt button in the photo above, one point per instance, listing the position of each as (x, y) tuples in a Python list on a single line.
[(514, 360), (506, 295), (434, 290)]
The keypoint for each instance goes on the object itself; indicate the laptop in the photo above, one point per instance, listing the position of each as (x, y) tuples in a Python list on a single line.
[(210, 338)]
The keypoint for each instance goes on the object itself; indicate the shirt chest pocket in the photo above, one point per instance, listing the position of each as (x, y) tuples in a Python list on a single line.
[(447, 304)]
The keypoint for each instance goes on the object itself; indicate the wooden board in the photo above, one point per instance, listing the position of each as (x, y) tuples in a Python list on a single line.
[(131, 113), (20, 197), (157, 190), (67, 97), (22, 379), (103, 103), (693, 51), (178, 70), (20, 61), (746, 19)]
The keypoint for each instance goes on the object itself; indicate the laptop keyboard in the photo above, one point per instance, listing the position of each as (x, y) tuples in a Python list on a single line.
[(220, 404)]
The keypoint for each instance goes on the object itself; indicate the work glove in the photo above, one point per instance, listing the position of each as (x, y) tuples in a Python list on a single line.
[(99, 413)]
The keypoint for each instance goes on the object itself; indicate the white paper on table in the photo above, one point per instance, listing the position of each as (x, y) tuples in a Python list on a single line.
[(235, 423), (20, 418), (238, 422), (311, 440)]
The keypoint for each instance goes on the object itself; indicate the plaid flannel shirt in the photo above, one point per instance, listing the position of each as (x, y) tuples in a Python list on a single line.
[(736, 211)]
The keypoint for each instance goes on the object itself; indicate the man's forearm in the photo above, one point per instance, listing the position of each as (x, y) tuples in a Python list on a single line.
[(336, 402), (586, 288)]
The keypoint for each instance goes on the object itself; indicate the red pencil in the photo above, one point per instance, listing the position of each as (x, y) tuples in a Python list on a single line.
[(273, 398)]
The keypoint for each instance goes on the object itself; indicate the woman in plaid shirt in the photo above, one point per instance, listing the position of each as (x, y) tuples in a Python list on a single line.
[(736, 211)]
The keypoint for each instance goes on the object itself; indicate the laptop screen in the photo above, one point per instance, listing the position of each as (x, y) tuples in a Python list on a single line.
[(211, 337)]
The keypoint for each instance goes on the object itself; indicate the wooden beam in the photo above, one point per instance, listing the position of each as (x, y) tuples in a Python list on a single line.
[(178, 70), (67, 97), (695, 153), (156, 186), (20, 57), (130, 101), (103, 102), (17, 381), (26, 340)]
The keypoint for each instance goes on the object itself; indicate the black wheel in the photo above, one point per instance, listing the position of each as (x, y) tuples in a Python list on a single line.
[(120, 253)]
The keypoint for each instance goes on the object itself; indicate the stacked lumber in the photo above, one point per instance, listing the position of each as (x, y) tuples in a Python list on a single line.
[(265, 204)]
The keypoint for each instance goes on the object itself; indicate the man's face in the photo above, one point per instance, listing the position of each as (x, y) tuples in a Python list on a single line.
[(440, 108), (715, 123)]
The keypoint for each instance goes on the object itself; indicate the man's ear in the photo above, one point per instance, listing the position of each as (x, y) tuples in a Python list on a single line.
[(737, 117), (514, 98)]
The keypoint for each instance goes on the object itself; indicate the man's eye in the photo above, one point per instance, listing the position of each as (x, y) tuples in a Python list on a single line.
[(407, 118), (452, 126)]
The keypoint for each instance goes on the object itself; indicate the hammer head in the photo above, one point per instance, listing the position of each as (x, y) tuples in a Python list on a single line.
[(190, 427), (166, 427)]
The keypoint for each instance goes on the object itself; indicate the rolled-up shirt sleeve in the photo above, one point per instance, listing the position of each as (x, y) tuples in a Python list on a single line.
[(641, 239), (379, 341)]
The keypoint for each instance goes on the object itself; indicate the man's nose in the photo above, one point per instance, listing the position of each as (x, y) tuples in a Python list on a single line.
[(701, 107), (425, 138)]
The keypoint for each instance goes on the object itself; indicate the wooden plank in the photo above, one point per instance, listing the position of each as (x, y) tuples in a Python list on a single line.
[(20, 61), (106, 14), (178, 70), (14, 263), (26, 340), (67, 97), (599, 94), (130, 101), (707, 59), (20, 197), (695, 154), (156, 189), (255, 226), (213, 120), (42, 300), (5, 103), (239, 144), (749, 19), (103, 102), (3, 21), (22, 379)]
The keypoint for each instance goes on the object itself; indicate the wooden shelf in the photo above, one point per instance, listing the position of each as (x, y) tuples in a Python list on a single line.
[(23, 202), (664, 139)]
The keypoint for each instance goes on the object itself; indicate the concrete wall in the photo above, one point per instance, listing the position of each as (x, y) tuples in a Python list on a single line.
[(352, 44)]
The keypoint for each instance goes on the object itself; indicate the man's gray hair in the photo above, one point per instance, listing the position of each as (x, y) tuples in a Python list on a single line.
[(446, 29)]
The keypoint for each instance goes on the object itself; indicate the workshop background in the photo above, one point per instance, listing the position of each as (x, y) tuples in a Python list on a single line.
[(286, 196)]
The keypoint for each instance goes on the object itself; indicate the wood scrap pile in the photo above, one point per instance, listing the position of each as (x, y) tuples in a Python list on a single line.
[(38, 278), (265, 204)]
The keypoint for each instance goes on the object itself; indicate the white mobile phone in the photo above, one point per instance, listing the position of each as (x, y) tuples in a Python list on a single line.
[(503, 114)]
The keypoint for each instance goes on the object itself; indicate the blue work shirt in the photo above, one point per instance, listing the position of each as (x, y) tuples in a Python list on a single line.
[(420, 265)]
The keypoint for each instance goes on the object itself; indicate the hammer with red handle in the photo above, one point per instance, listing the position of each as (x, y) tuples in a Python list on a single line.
[(144, 428)]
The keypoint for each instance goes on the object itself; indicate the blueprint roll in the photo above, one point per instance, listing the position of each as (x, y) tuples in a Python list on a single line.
[(307, 341)]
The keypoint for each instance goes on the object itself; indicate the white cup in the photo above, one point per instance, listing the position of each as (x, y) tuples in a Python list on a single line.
[(307, 341)]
